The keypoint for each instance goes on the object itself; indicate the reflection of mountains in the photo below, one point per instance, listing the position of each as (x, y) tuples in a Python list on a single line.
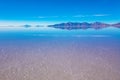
[(27, 26), (85, 25)]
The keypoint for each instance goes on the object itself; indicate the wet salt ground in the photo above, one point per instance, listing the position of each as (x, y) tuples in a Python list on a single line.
[(60, 58)]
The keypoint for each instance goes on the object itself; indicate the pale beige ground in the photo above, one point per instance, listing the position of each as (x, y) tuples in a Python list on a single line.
[(59, 60)]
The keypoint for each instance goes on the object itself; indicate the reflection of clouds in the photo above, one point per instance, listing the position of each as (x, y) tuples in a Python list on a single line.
[(57, 35), (92, 35), (100, 36)]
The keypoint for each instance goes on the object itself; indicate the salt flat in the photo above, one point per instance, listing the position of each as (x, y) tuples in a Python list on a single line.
[(60, 58)]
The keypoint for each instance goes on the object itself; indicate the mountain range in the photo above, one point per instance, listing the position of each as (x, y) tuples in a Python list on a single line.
[(84, 25)]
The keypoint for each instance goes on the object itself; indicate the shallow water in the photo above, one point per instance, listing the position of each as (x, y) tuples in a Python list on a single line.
[(54, 54)]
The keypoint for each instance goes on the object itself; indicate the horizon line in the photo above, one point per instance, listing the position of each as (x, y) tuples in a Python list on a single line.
[(45, 23)]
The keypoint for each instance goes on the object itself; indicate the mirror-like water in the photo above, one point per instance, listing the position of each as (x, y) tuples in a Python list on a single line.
[(55, 54)]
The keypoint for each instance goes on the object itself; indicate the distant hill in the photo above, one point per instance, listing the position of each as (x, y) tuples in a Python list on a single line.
[(84, 25), (27, 26), (116, 25)]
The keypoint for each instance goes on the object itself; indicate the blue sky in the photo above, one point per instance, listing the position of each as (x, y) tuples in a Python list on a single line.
[(53, 11)]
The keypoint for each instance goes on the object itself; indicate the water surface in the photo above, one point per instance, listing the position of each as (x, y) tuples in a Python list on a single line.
[(55, 54)]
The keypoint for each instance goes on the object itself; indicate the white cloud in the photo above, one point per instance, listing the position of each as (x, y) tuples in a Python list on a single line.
[(101, 15), (79, 16), (75, 16), (54, 16), (41, 17), (47, 16), (95, 15)]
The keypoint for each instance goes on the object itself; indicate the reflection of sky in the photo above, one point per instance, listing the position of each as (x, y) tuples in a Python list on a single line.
[(45, 31)]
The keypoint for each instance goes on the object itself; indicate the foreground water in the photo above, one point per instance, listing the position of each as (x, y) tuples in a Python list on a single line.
[(54, 54)]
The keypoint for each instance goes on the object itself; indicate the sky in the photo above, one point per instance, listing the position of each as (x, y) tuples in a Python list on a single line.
[(57, 11)]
